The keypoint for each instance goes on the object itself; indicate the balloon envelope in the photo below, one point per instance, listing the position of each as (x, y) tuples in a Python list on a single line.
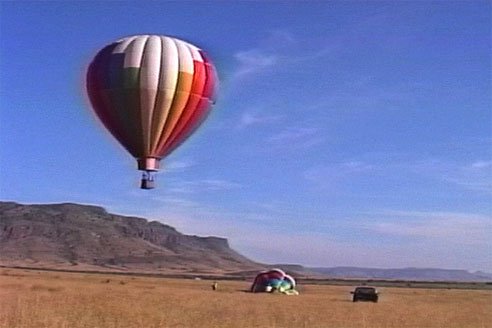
[(271, 280), (151, 92)]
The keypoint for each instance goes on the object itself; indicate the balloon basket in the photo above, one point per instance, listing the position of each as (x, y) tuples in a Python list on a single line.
[(147, 181)]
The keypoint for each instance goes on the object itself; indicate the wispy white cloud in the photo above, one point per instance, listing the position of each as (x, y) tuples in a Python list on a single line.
[(279, 39), (252, 118), (195, 217), (448, 227), (473, 176), (337, 172), (279, 47), (173, 201), (204, 185), (266, 231), (355, 94), (296, 137), (482, 165), (265, 55), (252, 61), (260, 234), (178, 165), (387, 239)]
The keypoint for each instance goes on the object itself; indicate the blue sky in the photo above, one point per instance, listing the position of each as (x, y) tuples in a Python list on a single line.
[(345, 133)]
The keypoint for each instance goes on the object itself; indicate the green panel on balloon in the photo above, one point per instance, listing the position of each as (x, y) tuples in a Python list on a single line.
[(131, 77)]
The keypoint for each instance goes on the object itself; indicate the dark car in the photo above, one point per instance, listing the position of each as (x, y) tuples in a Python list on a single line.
[(365, 293)]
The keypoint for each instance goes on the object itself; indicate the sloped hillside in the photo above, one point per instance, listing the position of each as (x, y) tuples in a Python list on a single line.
[(85, 237)]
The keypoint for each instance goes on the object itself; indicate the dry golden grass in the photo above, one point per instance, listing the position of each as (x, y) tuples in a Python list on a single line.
[(51, 299)]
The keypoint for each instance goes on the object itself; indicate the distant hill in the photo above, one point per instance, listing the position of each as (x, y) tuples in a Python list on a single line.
[(81, 237), (414, 274)]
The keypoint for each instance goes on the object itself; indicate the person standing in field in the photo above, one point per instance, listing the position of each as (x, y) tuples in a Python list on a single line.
[(215, 285)]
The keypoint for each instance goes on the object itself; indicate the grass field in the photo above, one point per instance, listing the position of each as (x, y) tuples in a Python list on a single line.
[(39, 299)]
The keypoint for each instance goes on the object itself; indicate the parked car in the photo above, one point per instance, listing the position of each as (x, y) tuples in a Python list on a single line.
[(365, 293)]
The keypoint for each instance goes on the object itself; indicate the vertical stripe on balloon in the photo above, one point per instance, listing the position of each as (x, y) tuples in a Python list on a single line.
[(168, 79), (116, 95), (129, 94), (182, 93), (149, 82), (97, 81), (201, 111), (198, 84)]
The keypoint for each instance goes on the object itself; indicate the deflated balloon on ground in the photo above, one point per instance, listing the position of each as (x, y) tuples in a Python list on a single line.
[(274, 280)]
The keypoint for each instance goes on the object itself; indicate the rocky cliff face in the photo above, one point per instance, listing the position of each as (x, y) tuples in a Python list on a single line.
[(88, 237)]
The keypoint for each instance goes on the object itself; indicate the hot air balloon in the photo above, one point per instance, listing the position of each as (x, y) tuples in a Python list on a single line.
[(151, 92), (274, 280)]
